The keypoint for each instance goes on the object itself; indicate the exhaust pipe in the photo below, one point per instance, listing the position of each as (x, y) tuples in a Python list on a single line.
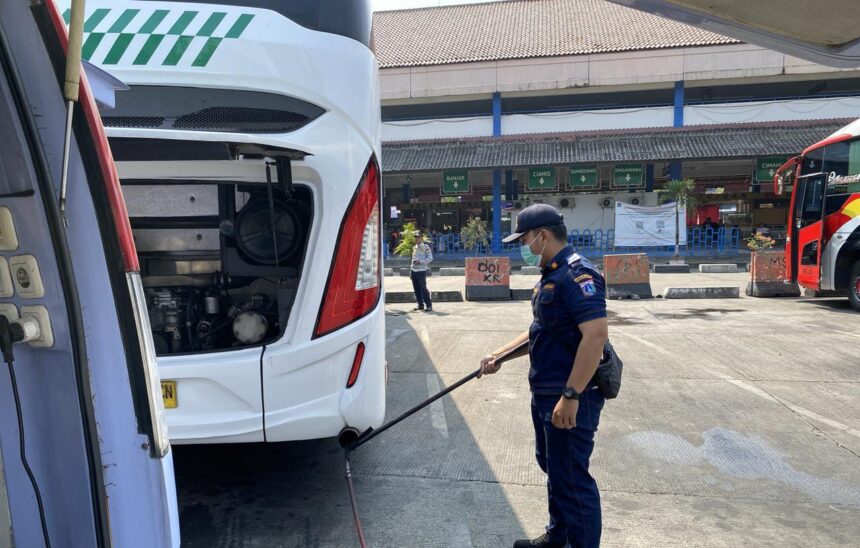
[(347, 437)]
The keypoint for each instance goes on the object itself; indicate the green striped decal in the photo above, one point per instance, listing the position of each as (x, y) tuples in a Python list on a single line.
[(123, 20), (211, 24), (94, 20), (178, 50), (239, 26), (119, 47), (148, 49), (182, 23), (206, 53), (125, 24), (154, 20), (91, 43)]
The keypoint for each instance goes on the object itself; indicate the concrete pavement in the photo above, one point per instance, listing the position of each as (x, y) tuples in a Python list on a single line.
[(738, 424)]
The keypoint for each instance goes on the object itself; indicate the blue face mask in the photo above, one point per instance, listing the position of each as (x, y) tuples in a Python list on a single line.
[(531, 258)]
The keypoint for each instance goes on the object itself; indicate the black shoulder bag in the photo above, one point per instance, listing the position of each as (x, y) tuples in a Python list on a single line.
[(608, 374)]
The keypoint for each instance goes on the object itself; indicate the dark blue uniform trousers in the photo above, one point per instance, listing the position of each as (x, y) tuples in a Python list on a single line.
[(419, 286), (574, 501)]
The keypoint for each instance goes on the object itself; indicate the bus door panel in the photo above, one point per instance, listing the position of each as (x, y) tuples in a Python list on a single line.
[(784, 181), (807, 213)]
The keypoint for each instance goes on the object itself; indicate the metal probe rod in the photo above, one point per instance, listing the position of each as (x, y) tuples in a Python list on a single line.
[(370, 434)]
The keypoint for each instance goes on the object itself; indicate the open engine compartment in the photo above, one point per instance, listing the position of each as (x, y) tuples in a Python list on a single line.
[(220, 260)]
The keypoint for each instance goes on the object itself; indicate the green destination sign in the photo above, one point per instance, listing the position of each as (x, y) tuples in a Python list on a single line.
[(765, 168), (583, 177), (455, 182), (628, 175), (542, 178)]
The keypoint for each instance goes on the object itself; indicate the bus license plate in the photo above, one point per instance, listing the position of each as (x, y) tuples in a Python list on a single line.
[(168, 393)]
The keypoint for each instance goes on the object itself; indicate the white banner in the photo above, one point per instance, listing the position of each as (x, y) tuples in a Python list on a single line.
[(639, 226)]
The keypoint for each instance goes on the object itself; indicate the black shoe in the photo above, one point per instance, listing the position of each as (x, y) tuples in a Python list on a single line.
[(418, 308), (428, 309), (540, 542)]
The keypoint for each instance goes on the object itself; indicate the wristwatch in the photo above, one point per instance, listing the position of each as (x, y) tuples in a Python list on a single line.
[(570, 393)]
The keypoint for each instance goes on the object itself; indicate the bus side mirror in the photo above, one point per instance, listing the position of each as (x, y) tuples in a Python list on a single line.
[(784, 174)]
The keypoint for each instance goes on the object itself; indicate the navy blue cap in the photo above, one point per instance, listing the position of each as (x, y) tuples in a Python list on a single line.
[(535, 216)]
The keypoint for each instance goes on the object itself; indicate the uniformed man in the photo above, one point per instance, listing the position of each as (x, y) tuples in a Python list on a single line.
[(566, 341), (422, 256)]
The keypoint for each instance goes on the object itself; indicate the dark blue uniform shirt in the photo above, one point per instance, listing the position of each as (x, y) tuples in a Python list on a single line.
[(570, 292)]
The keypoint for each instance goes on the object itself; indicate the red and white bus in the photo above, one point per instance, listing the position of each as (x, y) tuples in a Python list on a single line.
[(822, 250)]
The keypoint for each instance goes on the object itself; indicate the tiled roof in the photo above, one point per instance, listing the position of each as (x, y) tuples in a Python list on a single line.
[(515, 29), (752, 140)]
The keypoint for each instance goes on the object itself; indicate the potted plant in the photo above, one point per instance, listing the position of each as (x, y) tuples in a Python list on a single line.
[(679, 191), (474, 233), (407, 240)]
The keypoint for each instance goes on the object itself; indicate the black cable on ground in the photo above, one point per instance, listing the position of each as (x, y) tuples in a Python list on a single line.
[(356, 519), (7, 338)]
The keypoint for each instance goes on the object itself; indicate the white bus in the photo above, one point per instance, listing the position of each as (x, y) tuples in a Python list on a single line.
[(247, 146)]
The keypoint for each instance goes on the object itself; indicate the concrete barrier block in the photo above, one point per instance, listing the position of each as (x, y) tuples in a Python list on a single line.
[(388, 272), (488, 278), (702, 293), (718, 268), (767, 266), (772, 289), (452, 271), (671, 268), (521, 294), (627, 275), (406, 271), (395, 297), (530, 270)]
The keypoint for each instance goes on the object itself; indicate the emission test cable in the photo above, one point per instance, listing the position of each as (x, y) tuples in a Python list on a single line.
[(371, 433), (9, 334)]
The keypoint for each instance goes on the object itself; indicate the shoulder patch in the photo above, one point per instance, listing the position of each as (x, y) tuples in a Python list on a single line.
[(587, 286), (584, 277)]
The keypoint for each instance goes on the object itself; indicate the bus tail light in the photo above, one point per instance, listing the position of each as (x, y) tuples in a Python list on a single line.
[(354, 283), (356, 365)]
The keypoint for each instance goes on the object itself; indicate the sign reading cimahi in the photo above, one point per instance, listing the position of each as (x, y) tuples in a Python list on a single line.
[(542, 178), (455, 182), (627, 175), (765, 168), (583, 177)]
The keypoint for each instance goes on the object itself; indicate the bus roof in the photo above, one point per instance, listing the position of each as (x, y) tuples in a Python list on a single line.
[(850, 131)]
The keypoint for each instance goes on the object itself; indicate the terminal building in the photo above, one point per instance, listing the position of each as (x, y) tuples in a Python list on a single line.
[(583, 103)]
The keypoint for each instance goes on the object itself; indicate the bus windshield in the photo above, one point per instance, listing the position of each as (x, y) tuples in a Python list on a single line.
[(839, 165)]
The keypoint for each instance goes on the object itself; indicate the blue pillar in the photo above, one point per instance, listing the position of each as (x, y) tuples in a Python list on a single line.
[(407, 193), (675, 169), (497, 114), (497, 177), (679, 103)]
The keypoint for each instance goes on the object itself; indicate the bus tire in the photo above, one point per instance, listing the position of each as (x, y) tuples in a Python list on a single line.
[(854, 287)]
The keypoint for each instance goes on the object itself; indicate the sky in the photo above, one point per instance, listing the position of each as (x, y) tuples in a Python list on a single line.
[(383, 5)]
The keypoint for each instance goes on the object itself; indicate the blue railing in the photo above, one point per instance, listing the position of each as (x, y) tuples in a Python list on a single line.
[(700, 241)]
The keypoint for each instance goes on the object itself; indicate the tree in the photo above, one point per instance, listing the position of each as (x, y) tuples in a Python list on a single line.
[(474, 233), (679, 191), (407, 240)]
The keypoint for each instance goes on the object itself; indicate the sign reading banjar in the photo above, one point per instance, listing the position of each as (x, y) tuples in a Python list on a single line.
[(488, 279)]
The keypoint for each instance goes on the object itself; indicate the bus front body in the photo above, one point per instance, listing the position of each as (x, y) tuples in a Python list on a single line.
[(247, 146), (822, 251)]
